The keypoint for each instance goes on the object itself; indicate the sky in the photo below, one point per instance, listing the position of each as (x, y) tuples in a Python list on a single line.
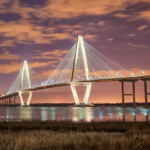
[(43, 31)]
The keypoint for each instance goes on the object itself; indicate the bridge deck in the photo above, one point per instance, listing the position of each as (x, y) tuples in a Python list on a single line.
[(126, 79)]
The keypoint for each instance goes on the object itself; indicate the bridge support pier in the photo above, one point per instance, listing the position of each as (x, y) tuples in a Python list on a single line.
[(134, 118), (146, 117), (133, 85), (87, 92), (8, 101), (146, 93), (21, 98), (123, 117), (123, 104), (133, 93), (4, 102), (14, 101)]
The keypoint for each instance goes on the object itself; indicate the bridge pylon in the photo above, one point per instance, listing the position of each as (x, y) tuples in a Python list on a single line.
[(25, 77), (80, 53)]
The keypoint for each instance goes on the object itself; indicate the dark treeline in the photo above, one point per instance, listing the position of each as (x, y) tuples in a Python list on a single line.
[(70, 104)]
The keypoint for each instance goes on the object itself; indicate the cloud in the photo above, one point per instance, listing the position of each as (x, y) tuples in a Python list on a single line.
[(23, 31), (46, 73), (140, 72), (8, 43), (110, 39), (91, 37), (3, 3), (78, 8), (141, 28), (131, 35), (120, 15), (14, 6), (145, 15), (101, 23), (8, 56), (15, 66), (136, 45), (60, 36), (69, 9), (53, 54), (37, 64)]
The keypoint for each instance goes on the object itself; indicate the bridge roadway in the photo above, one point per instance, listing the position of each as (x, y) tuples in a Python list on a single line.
[(126, 79)]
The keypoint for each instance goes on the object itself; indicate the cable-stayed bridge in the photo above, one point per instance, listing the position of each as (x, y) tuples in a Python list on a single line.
[(82, 66)]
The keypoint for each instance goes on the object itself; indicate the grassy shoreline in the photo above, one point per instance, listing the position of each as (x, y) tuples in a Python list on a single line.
[(65, 126)]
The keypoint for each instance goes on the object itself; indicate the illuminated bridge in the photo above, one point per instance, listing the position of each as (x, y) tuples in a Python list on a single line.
[(82, 66)]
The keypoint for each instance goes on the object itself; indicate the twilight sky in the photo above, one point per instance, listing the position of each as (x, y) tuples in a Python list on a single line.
[(43, 31)]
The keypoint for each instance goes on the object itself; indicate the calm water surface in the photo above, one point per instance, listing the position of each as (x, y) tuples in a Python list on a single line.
[(75, 113)]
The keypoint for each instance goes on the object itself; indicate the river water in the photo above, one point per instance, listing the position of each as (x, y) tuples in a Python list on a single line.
[(75, 113)]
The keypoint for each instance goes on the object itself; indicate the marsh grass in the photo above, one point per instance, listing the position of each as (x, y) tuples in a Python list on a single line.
[(134, 139), (68, 135)]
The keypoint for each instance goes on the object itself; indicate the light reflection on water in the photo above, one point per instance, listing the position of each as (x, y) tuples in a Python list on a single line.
[(75, 113)]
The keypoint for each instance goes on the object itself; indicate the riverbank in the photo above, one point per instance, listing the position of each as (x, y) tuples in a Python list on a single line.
[(66, 126)]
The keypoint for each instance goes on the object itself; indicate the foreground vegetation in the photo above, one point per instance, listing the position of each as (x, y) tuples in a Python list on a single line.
[(50, 140), (68, 135)]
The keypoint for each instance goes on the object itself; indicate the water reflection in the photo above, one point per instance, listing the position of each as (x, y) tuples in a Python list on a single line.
[(75, 113)]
